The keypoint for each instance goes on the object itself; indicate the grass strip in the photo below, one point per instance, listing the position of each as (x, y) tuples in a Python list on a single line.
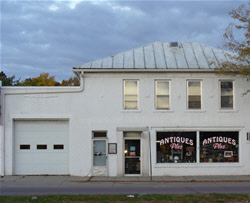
[(213, 197)]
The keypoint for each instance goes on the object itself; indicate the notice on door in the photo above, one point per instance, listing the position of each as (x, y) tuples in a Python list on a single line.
[(132, 153)]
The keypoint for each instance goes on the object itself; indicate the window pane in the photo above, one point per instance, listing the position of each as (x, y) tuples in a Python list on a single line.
[(24, 146), (227, 94), (194, 88), (194, 102), (100, 134), (162, 102), (176, 147), (132, 148), (130, 105), (162, 88), (227, 101), (131, 87), (58, 146), (132, 134), (41, 146), (130, 98), (226, 88), (131, 94), (219, 147)]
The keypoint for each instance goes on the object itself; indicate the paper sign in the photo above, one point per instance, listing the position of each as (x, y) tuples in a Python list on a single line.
[(132, 154)]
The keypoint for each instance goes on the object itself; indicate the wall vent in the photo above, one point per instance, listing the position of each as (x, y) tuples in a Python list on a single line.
[(174, 44), (248, 136)]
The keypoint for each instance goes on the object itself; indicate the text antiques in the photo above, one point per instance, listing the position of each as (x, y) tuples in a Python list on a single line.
[(218, 142), (175, 142)]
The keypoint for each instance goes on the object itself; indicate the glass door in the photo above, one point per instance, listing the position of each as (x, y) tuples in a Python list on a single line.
[(132, 156)]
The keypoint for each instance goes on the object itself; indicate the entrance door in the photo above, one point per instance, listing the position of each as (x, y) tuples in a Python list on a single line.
[(132, 156), (99, 157)]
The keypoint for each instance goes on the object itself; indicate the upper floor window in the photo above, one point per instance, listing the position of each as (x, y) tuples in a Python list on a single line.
[(194, 94), (131, 92), (162, 94), (226, 95)]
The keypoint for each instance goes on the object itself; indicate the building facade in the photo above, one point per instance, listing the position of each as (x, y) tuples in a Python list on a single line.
[(156, 110)]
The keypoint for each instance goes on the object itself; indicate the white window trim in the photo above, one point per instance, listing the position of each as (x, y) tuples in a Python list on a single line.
[(155, 96), (123, 107), (194, 110), (227, 109)]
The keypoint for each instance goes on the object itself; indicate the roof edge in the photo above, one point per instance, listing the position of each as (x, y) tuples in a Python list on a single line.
[(142, 70)]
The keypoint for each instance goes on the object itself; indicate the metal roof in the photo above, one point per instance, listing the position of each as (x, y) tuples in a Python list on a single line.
[(160, 55)]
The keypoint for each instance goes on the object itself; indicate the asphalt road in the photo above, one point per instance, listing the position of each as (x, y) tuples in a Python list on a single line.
[(125, 188)]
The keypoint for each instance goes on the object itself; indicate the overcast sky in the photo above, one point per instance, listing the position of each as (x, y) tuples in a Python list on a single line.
[(53, 36)]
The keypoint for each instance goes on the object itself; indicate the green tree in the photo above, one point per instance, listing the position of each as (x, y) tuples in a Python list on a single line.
[(237, 40), (8, 81), (44, 80), (72, 81), (27, 82)]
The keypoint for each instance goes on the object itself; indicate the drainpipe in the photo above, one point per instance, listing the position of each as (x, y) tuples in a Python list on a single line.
[(25, 91), (150, 156)]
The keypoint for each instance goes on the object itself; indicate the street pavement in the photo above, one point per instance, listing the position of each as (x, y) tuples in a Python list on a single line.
[(45, 185)]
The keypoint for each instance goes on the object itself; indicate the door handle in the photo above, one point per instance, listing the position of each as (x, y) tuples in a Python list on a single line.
[(98, 154)]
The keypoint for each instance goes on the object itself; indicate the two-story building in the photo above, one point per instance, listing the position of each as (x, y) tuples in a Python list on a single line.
[(157, 110)]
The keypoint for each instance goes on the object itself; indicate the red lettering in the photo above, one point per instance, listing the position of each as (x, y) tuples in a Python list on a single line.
[(176, 146), (219, 146)]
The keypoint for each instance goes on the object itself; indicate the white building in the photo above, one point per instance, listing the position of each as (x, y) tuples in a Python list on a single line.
[(155, 110)]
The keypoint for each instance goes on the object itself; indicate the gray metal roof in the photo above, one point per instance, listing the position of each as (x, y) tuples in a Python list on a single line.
[(160, 55)]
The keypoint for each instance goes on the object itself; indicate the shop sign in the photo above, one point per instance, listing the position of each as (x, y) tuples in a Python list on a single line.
[(226, 140), (183, 140)]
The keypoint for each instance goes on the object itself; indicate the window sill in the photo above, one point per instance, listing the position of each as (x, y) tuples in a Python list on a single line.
[(163, 111), (131, 111), (195, 111), (192, 165), (175, 165), (227, 111)]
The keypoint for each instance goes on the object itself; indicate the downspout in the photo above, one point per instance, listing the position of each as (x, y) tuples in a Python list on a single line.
[(79, 89), (150, 156)]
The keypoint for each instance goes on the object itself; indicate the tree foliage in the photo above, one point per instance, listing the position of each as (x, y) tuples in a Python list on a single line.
[(44, 79), (237, 40), (73, 81), (8, 81)]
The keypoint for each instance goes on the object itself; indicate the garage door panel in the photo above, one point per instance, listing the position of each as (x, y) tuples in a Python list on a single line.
[(34, 161)]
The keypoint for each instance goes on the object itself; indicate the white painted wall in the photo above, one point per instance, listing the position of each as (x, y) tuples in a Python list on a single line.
[(99, 107)]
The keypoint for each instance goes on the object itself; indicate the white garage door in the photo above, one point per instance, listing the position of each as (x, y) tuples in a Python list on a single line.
[(41, 147)]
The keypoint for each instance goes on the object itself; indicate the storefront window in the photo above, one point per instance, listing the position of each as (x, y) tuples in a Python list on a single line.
[(176, 147), (219, 147)]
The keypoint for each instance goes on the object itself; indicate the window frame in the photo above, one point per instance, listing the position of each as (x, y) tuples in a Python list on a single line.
[(198, 148), (187, 103), (226, 150), (169, 94), (137, 94), (233, 91), (178, 163)]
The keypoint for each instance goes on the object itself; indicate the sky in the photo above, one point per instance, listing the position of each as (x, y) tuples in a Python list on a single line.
[(54, 36)]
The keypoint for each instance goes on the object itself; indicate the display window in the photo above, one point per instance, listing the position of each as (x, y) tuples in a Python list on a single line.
[(219, 147), (176, 147)]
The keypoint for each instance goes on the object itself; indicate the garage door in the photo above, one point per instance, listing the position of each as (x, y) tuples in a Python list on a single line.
[(41, 147)]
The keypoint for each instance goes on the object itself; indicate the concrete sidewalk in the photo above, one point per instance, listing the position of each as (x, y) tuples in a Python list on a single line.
[(74, 179)]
